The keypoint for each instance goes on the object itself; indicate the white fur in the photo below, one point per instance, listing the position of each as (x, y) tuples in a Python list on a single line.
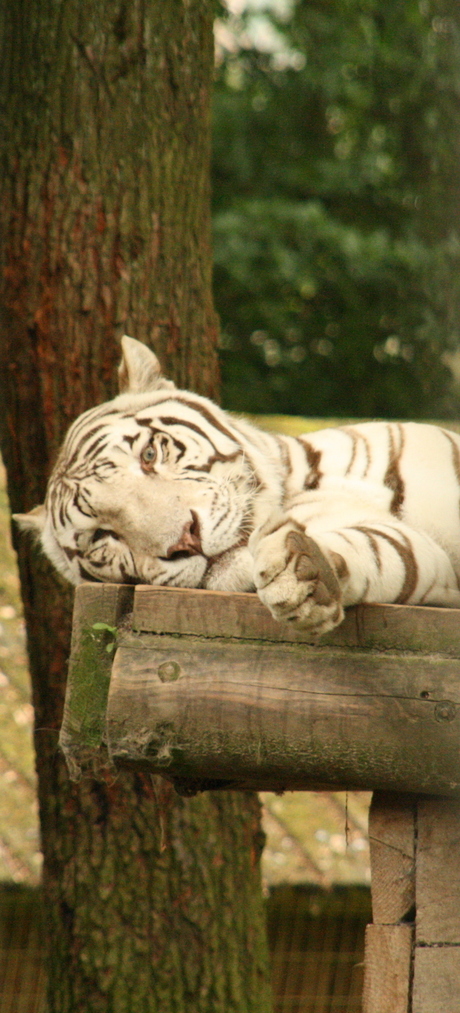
[(362, 513)]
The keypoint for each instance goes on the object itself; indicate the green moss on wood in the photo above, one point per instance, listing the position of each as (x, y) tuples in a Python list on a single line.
[(82, 732)]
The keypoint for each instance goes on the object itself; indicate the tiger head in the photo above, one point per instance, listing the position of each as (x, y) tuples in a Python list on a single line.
[(156, 486)]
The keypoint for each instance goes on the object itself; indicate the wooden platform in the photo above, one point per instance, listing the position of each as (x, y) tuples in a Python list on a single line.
[(207, 689)]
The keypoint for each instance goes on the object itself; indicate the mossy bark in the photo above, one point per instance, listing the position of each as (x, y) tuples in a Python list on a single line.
[(153, 902)]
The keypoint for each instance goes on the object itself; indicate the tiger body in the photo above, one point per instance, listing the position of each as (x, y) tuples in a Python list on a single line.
[(161, 486)]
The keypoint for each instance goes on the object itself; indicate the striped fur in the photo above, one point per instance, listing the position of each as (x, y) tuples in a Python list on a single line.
[(161, 486)]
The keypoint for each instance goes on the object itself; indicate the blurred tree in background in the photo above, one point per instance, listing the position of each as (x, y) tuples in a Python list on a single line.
[(337, 206)]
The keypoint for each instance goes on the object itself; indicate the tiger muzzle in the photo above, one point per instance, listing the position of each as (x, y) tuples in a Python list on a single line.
[(189, 543)]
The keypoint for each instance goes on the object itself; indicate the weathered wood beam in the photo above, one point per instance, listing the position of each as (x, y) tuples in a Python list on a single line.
[(249, 705), (276, 716)]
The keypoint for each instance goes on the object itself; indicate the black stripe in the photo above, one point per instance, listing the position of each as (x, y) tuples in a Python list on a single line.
[(373, 544), (70, 460), (393, 479), (202, 410), (313, 456), (455, 452), (97, 444), (357, 438), (186, 424), (407, 557)]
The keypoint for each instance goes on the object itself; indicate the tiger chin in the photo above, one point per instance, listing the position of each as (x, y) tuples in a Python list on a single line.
[(160, 486)]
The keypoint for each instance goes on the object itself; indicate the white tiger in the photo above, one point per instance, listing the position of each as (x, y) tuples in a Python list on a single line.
[(161, 486)]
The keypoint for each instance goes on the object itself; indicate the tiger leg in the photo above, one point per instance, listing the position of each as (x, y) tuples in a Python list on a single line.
[(308, 578)]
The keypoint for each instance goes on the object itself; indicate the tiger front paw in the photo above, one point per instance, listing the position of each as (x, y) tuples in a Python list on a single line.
[(295, 580)]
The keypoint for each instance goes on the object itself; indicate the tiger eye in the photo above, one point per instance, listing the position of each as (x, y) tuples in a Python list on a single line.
[(148, 455)]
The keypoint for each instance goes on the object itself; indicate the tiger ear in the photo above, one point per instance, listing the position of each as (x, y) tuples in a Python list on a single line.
[(32, 522), (139, 370)]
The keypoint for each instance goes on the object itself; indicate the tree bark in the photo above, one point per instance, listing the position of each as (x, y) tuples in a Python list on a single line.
[(153, 902)]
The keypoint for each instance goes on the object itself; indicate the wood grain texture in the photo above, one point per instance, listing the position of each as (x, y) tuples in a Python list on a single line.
[(218, 614), (387, 969), (392, 849), (438, 872), (436, 987), (272, 716)]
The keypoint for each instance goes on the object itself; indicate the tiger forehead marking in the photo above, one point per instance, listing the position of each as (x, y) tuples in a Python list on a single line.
[(144, 484), (161, 486), (113, 443)]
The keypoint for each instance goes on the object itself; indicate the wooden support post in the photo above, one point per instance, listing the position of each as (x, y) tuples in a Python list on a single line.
[(415, 866), (389, 940), (387, 971), (436, 987)]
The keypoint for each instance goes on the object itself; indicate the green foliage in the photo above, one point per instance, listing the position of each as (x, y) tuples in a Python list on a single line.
[(111, 631), (336, 211)]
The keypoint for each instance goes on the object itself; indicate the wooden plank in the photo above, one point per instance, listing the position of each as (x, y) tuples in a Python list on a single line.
[(82, 731), (217, 614), (392, 849), (438, 871), (387, 969), (436, 987), (408, 627), (214, 614), (275, 716)]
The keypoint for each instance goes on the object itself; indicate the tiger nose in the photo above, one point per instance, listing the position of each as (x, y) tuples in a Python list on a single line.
[(190, 541)]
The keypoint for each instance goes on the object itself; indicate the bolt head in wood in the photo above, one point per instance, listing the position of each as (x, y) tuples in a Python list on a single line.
[(169, 671), (445, 710)]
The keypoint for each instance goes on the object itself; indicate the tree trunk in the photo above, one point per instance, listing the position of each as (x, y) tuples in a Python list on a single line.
[(153, 902)]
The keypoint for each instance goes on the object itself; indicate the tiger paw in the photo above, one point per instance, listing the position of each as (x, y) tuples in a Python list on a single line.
[(295, 580)]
